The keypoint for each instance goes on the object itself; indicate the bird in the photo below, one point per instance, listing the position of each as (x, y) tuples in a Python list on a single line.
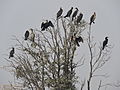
[(69, 13), (79, 18), (75, 13), (59, 13), (105, 43), (78, 39), (32, 35), (92, 18), (12, 52), (46, 25), (26, 35)]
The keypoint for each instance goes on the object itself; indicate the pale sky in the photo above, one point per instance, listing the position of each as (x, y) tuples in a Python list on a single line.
[(18, 15)]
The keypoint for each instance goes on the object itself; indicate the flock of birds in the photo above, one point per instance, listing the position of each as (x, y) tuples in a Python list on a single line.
[(45, 25), (74, 15)]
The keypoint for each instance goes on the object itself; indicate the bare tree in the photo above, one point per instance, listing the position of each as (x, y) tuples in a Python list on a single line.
[(48, 60), (98, 58)]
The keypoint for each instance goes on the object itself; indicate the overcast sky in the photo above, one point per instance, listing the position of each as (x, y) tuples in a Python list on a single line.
[(18, 15)]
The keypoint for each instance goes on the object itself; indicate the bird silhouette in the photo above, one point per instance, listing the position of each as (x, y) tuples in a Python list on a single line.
[(59, 13), (105, 43), (46, 24), (79, 39), (75, 13), (69, 13), (92, 18), (79, 18), (12, 52), (26, 35)]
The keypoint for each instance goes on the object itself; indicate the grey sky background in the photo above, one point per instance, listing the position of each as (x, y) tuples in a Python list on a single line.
[(16, 16)]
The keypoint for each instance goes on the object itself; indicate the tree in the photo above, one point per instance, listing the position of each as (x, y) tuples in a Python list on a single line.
[(49, 59)]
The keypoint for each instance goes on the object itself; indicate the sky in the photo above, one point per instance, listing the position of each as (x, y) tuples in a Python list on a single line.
[(16, 16)]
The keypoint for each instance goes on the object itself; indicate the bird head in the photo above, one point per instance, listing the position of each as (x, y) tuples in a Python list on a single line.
[(94, 13), (60, 8), (80, 13), (76, 8), (71, 7), (106, 37), (31, 29), (12, 48), (46, 21)]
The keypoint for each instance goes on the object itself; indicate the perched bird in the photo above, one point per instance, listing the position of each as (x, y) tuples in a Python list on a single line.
[(26, 35), (79, 18), (75, 13), (69, 13), (46, 25), (79, 39), (59, 13), (12, 52), (105, 43), (92, 18), (32, 35)]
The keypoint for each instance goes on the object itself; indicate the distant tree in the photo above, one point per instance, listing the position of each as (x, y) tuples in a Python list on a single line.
[(48, 59)]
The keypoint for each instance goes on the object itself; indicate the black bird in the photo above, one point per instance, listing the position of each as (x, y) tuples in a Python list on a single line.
[(79, 39), (12, 53), (105, 43), (59, 13), (69, 13), (79, 18), (46, 25), (92, 18), (75, 13), (26, 35)]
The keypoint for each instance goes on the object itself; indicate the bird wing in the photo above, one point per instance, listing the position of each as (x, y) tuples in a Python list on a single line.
[(59, 13), (92, 19), (77, 42), (80, 39), (26, 34), (51, 24), (42, 24), (105, 43)]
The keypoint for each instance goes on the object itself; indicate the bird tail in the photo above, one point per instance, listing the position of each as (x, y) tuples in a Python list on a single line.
[(90, 23), (43, 29), (25, 39), (11, 56), (65, 16), (103, 48), (77, 43)]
